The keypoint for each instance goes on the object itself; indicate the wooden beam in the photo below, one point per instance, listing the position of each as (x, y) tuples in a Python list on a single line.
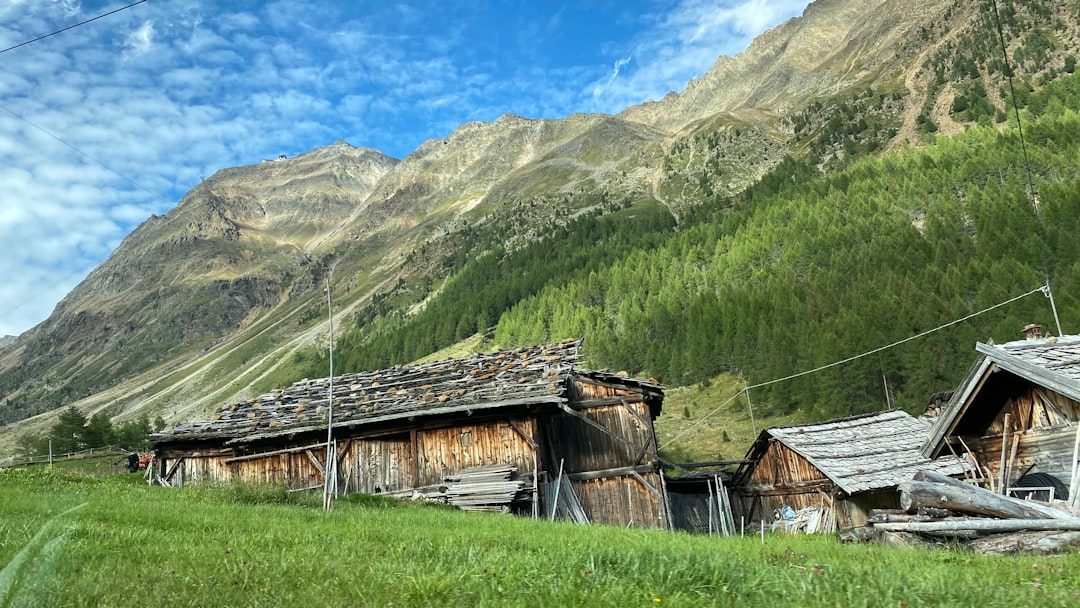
[(315, 461), (528, 438), (968, 497), (981, 525), (795, 487), (644, 450), (639, 418), (585, 404), (648, 485), (608, 473), (274, 453), (594, 424), (172, 469)]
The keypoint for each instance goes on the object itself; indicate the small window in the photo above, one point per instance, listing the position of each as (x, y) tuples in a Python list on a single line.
[(466, 438)]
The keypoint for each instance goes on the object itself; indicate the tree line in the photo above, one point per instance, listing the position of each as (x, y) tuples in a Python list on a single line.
[(74, 432), (799, 271)]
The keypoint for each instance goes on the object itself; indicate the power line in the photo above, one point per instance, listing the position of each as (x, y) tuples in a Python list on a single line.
[(1045, 289), (42, 292), (71, 27), (96, 161), (897, 343)]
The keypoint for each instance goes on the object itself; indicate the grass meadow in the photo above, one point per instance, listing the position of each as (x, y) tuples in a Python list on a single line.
[(70, 539)]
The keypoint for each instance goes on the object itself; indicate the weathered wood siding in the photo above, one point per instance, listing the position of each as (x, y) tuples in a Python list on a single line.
[(1042, 423), (782, 466), (294, 469), (782, 478), (1043, 450), (621, 435), (441, 452), (628, 440), (381, 464), (623, 500), (1036, 408)]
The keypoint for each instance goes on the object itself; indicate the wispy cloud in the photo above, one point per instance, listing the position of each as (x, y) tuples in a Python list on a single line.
[(676, 46), (166, 93)]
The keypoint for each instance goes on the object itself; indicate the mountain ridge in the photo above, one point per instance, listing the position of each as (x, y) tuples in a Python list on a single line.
[(213, 299)]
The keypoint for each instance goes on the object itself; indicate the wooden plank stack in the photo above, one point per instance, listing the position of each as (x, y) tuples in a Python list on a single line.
[(487, 488), (939, 510)]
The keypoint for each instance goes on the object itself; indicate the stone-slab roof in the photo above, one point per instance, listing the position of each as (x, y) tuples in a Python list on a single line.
[(522, 376), (862, 453), (1053, 363)]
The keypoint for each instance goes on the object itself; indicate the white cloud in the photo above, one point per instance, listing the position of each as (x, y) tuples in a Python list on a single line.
[(167, 93), (683, 44), (141, 40)]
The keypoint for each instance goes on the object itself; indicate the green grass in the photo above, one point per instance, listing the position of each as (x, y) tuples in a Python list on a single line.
[(68, 540), (703, 422)]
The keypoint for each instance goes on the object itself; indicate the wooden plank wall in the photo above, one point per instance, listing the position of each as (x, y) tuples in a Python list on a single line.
[(1043, 450), (1037, 407), (629, 441), (441, 452), (783, 478), (757, 508), (622, 501), (585, 448), (782, 466), (204, 469), (381, 464)]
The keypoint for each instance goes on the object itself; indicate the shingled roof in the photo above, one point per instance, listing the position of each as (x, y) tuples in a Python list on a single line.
[(861, 453), (534, 375), (1053, 363)]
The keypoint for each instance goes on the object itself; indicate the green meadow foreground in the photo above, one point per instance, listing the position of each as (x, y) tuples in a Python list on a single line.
[(74, 540)]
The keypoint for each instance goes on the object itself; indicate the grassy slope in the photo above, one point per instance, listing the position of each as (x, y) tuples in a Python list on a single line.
[(80, 541), (711, 421)]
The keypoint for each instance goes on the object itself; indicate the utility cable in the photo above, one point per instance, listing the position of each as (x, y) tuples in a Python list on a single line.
[(897, 343), (1027, 163), (91, 158), (1044, 289), (1016, 108), (71, 27)]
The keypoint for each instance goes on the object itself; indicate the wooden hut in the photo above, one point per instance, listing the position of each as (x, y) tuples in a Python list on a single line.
[(519, 430), (842, 467), (1016, 414)]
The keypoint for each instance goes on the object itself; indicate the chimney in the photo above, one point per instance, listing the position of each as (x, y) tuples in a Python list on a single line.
[(1033, 332)]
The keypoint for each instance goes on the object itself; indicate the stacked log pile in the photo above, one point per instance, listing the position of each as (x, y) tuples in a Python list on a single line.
[(938, 510)]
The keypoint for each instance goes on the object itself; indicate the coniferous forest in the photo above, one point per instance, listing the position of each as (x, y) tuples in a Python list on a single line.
[(799, 271)]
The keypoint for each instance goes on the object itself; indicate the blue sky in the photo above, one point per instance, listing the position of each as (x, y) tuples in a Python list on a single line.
[(103, 125)]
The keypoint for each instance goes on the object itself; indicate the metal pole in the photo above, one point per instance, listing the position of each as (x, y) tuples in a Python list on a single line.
[(1050, 294), (330, 455), (750, 406)]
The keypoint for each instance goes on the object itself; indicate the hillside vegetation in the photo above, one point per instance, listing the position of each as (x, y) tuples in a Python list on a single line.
[(853, 178), (799, 271)]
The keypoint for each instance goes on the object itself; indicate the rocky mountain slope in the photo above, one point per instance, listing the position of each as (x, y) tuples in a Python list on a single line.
[(202, 305)]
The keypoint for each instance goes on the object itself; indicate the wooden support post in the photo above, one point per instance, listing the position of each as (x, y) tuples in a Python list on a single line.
[(558, 485), (1001, 469), (1011, 464), (415, 472)]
